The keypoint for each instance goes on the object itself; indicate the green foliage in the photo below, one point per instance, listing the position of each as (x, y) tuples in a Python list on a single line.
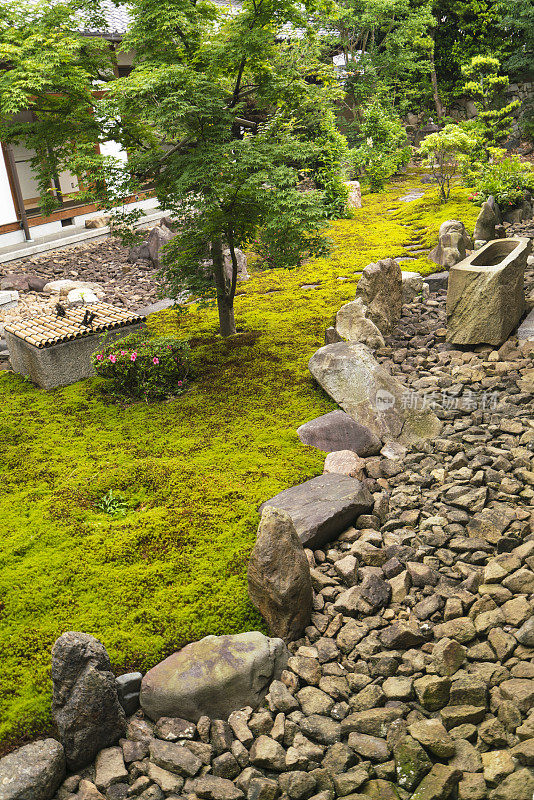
[(466, 28), (507, 179), (386, 46), (485, 85), (112, 504), (150, 369), (517, 28), (384, 146), (285, 240), (444, 152), (194, 469)]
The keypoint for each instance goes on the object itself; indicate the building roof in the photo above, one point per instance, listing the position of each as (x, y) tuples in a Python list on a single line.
[(111, 23)]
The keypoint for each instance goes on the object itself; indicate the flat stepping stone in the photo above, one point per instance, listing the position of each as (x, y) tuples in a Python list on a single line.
[(525, 332), (322, 508), (161, 305), (339, 431), (437, 280), (401, 260), (408, 198)]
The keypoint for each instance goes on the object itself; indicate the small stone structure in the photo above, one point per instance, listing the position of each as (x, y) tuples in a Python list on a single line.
[(486, 299), (56, 351)]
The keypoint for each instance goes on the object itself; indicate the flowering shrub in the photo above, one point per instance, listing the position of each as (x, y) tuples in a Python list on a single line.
[(147, 368), (507, 180)]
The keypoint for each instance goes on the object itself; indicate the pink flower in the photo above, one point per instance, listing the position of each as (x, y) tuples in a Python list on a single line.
[(179, 383), (133, 356), (123, 352), (155, 360), (113, 359), (99, 357)]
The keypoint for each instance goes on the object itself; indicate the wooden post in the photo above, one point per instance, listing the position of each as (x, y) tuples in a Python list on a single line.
[(12, 169)]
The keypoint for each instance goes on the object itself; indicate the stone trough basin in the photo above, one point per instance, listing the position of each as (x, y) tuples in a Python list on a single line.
[(485, 296)]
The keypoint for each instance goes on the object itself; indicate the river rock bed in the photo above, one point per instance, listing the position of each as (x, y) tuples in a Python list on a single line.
[(103, 262), (415, 678)]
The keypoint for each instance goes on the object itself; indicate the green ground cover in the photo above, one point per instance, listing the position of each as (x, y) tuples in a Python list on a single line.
[(193, 470)]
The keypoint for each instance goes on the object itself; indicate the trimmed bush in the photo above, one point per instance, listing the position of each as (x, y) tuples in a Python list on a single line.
[(151, 369)]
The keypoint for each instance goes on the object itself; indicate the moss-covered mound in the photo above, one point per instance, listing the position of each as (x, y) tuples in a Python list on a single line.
[(192, 470)]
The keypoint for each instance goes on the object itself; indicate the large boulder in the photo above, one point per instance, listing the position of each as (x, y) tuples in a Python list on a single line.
[(454, 241), (485, 297), (485, 224), (279, 582), (337, 431), (213, 677), (157, 239), (33, 772), (242, 273), (380, 288), (85, 704), (323, 507), (350, 374), (353, 326)]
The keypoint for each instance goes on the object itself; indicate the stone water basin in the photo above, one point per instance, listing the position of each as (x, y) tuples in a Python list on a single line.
[(485, 296)]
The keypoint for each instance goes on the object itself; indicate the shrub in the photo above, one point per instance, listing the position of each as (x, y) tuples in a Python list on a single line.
[(383, 149), (486, 86), (150, 369), (507, 180), (444, 152)]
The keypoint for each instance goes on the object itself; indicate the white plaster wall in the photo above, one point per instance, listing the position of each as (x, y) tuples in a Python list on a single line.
[(7, 207), (14, 237)]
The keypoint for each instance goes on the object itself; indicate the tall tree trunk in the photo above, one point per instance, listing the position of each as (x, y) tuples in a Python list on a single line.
[(435, 91), (225, 298)]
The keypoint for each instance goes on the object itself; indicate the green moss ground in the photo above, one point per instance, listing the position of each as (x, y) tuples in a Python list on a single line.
[(194, 470)]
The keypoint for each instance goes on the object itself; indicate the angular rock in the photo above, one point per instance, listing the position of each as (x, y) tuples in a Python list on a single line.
[(412, 285), (485, 297), (110, 767), (368, 392), (268, 754), (157, 239), (353, 326), (452, 244), (432, 735), (402, 636), (437, 281), (520, 691), (33, 772), (210, 787), (411, 763), (438, 784), (485, 224), (497, 765), (175, 758), (380, 289), (448, 656), (213, 677), (338, 431), (344, 462), (85, 704), (279, 582), (517, 786), (432, 692), (323, 507)]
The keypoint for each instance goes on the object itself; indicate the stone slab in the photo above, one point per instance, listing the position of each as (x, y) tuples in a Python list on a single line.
[(61, 364), (323, 507), (437, 280), (338, 431), (525, 332)]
